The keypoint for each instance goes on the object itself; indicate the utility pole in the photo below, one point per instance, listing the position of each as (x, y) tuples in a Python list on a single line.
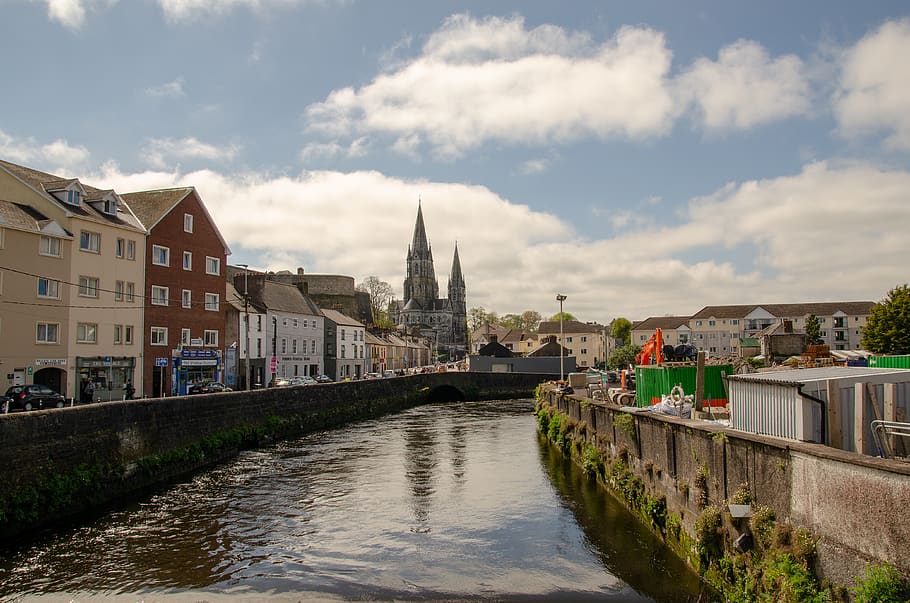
[(246, 323), (561, 298)]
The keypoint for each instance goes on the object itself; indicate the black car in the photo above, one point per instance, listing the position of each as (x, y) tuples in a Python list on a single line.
[(211, 387), (32, 397)]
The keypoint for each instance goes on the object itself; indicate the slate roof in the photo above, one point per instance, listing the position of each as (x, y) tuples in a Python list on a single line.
[(341, 319), (850, 308), (151, 206), (494, 348), (283, 298), (569, 327), (21, 217), (662, 322)]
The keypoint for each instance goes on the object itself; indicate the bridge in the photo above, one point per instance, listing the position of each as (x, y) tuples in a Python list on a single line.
[(59, 462)]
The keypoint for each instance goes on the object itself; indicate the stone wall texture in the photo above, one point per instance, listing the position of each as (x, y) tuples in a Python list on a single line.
[(857, 505)]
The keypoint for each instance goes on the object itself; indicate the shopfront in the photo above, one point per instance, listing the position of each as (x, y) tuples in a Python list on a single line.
[(196, 366), (109, 375)]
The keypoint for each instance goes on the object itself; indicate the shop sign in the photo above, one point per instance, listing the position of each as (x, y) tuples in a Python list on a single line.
[(50, 362), (199, 362)]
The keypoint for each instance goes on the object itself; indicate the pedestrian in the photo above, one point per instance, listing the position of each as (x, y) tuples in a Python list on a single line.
[(88, 392), (130, 390)]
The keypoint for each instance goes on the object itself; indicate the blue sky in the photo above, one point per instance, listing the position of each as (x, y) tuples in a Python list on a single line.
[(643, 158)]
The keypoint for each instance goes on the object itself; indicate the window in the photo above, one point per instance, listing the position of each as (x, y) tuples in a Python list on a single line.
[(284, 322), (47, 332), (212, 302), (110, 207), (86, 332), (313, 348), (48, 288), (72, 197), (88, 286), (293, 346), (159, 295), (49, 246), (187, 222), (210, 338), (584, 339), (121, 248), (130, 291), (187, 260), (158, 336), (187, 298), (185, 336), (342, 334), (118, 334), (128, 334), (735, 321), (697, 323), (259, 322), (284, 345), (118, 290), (823, 333), (131, 250), (90, 241), (212, 265), (296, 323), (161, 256), (711, 323), (342, 351)]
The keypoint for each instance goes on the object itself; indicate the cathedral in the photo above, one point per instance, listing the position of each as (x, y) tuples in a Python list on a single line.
[(443, 321)]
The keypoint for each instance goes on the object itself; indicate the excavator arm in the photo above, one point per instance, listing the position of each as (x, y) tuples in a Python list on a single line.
[(653, 347)]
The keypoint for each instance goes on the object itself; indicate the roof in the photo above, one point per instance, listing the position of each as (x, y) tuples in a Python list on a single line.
[(569, 327), (43, 182), (21, 217), (494, 348), (151, 206), (485, 330), (811, 375), (850, 308), (661, 322), (341, 319), (373, 340), (283, 298)]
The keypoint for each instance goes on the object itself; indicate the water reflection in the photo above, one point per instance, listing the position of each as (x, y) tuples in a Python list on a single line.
[(447, 502)]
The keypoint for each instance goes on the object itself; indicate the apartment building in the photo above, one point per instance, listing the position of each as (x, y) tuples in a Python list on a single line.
[(675, 330), (184, 286), (588, 342), (78, 292), (345, 352)]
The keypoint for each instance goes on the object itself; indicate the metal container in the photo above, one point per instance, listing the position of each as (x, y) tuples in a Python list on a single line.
[(652, 382), (890, 362)]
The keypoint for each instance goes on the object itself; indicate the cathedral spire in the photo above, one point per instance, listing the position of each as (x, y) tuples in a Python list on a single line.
[(420, 246)]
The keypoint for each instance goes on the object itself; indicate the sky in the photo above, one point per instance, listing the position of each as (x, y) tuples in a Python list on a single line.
[(642, 158)]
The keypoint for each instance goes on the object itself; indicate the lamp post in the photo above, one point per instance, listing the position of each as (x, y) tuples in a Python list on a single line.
[(560, 298), (246, 325)]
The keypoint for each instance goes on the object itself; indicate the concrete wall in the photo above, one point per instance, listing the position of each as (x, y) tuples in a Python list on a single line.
[(857, 505), (58, 462)]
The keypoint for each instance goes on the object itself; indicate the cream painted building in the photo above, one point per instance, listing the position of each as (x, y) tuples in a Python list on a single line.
[(589, 342), (95, 329)]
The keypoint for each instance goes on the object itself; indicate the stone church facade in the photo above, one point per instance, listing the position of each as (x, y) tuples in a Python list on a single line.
[(442, 321)]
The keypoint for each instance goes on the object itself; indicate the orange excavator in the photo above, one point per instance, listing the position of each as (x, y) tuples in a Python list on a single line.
[(654, 347)]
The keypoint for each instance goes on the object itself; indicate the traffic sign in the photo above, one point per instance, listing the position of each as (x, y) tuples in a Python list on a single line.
[(160, 361)]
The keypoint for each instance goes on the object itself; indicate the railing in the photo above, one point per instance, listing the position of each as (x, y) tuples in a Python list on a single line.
[(887, 436)]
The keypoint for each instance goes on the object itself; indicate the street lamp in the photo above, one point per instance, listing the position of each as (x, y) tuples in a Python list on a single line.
[(246, 324), (560, 298)]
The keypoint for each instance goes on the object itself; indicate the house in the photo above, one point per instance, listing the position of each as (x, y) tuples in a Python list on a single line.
[(674, 329), (73, 282), (185, 284), (588, 342), (345, 349), (286, 331)]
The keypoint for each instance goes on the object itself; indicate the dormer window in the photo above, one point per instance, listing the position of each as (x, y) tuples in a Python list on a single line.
[(110, 207), (73, 197)]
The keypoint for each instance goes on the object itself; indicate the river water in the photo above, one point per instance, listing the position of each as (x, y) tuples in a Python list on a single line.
[(456, 502)]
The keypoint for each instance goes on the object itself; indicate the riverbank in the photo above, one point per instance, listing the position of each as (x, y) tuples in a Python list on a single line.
[(817, 517)]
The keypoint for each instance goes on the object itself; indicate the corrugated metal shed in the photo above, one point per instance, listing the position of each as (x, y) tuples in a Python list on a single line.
[(793, 403)]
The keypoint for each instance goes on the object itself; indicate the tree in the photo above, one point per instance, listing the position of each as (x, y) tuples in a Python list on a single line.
[(478, 317), (565, 317), (887, 330), (530, 320), (623, 356), (512, 321), (621, 329), (380, 297), (813, 330)]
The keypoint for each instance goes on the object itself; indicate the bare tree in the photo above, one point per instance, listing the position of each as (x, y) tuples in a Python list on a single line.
[(380, 297)]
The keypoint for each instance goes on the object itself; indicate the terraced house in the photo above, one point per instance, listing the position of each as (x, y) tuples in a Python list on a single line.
[(184, 290), (71, 284)]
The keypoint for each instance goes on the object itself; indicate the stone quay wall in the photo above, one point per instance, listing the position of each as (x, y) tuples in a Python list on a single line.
[(857, 506), (59, 462)]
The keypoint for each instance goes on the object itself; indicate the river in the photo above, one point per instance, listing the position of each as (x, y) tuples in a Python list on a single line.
[(453, 501)]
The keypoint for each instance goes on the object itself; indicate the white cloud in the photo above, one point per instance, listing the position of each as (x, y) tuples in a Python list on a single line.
[(745, 87), (478, 80), (874, 90), (57, 156), (69, 13), (826, 233), (535, 166), (172, 89), (331, 150), (187, 10), (159, 152)]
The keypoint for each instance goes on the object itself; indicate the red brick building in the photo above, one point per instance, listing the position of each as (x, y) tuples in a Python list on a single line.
[(185, 287)]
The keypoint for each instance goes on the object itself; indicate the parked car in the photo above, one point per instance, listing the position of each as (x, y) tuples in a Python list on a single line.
[(280, 382), (389, 373), (301, 380), (324, 379), (372, 376), (32, 397), (212, 387)]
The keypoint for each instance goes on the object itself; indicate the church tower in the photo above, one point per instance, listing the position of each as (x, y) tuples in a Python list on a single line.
[(420, 284), (457, 302)]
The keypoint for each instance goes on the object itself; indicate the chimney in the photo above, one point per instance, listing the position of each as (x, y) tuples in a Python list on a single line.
[(788, 326), (299, 271), (494, 338)]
